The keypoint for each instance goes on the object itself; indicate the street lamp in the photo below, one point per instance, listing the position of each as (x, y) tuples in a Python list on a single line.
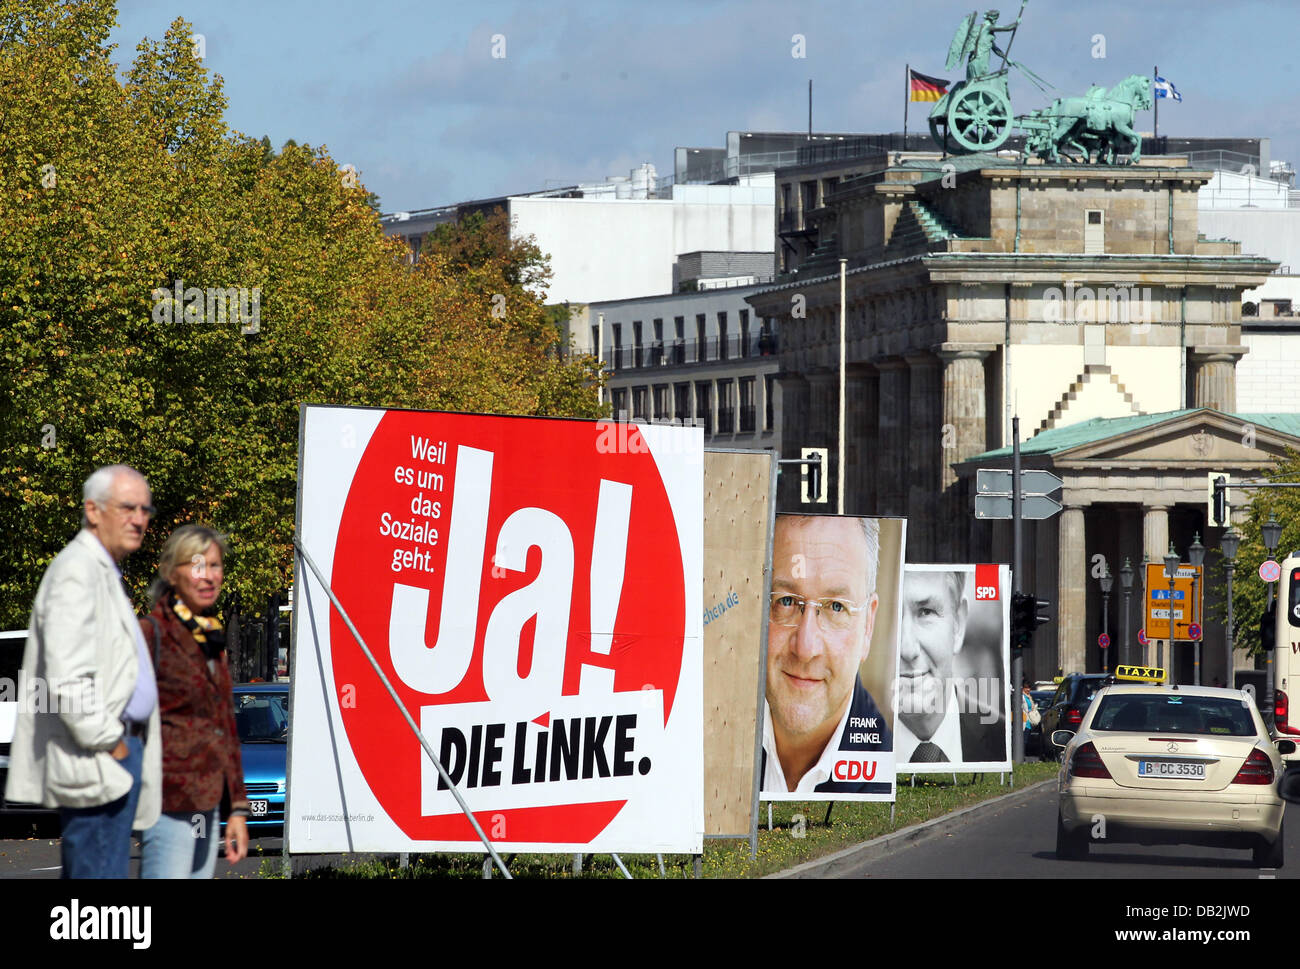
[(1196, 556), (1126, 584), (1172, 561), (1107, 582), (1271, 531), (1229, 543)]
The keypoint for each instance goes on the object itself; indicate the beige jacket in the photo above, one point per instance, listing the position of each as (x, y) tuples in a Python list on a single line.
[(80, 666)]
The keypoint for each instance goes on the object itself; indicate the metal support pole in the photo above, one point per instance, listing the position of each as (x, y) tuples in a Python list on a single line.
[(383, 678), (1106, 665), (839, 487), (1196, 643), (1017, 659), (622, 867), (1228, 677)]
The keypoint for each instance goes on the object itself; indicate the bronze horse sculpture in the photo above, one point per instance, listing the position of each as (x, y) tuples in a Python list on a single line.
[(1101, 121)]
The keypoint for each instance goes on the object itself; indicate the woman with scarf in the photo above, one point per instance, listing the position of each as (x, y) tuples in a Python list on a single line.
[(200, 745)]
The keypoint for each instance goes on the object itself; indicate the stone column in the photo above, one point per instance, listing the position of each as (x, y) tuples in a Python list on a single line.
[(863, 449), (1072, 591), (823, 428), (1155, 543), (925, 453), (963, 433), (794, 434), (892, 407), (1155, 532), (1214, 376)]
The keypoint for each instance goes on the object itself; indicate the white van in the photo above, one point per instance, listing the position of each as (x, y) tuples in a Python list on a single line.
[(1286, 655)]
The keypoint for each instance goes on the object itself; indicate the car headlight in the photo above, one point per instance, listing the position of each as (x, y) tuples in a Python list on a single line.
[(279, 786)]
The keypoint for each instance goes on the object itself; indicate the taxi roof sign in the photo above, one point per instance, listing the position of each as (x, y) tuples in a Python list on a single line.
[(1140, 674)]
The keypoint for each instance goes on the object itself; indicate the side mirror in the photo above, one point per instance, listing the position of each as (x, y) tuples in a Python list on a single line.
[(1286, 746), (1288, 788), (1062, 737)]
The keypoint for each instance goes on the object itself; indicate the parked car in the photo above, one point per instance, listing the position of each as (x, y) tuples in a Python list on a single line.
[(1169, 764), (262, 719), (1065, 710), (12, 643)]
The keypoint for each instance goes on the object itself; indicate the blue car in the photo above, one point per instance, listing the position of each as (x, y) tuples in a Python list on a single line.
[(262, 718)]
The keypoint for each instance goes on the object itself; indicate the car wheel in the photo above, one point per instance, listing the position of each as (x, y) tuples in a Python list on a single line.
[(1267, 855), (1070, 846)]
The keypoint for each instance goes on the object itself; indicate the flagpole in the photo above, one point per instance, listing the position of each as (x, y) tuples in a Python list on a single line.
[(1155, 103), (907, 97)]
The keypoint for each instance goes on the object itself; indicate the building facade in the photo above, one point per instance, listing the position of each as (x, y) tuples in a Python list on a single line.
[(981, 287)]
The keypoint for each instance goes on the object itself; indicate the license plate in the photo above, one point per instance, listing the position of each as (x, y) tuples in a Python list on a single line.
[(1168, 768), (259, 809)]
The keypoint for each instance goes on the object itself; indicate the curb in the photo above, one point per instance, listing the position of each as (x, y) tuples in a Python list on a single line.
[(823, 867)]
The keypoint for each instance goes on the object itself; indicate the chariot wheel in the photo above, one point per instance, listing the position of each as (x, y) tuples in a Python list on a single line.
[(979, 119)]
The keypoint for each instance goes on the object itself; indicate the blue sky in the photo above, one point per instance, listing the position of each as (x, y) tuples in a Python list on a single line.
[(410, 93)]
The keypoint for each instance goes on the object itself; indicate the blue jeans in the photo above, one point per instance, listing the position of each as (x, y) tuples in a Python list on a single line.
[(97, 841), (183, 844)]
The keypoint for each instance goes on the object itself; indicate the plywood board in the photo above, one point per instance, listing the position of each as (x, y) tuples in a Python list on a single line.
[(737, 519)]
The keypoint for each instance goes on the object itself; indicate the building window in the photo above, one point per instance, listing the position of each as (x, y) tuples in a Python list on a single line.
[(1094, 233), (639, 412), (701, 336), (704, 406), (595, 340), (746, 387), (661, 403), (637, 360), (682, 405), (618, 346), (722, 340), (744, 334), (769, 401), (679, 340), (657, 347), (620, 403), (726, 408)]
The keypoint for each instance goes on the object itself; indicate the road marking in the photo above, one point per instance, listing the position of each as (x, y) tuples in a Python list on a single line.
[(55, 868)]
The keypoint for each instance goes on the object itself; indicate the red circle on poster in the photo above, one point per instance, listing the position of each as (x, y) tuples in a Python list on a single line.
[(1142, 636), (521, 477)]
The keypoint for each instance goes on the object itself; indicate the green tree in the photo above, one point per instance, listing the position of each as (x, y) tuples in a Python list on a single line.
[(1249, 594), (125, 205)]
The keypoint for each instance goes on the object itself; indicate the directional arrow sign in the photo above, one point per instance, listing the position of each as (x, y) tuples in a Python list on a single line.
[(996, 482), (1032, 507)]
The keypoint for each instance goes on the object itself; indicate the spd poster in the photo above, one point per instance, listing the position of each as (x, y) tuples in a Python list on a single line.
[(532, 589)]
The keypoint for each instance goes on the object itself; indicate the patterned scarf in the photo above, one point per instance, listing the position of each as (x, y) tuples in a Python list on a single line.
[(206, 630)]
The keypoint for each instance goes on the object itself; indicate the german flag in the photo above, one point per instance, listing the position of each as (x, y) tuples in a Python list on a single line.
[(926, 88)]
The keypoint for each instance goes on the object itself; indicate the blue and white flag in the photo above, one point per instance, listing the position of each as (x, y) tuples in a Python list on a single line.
[(1166, 89)]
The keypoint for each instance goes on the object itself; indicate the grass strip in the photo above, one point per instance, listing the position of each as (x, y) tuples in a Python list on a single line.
[(799, 833)]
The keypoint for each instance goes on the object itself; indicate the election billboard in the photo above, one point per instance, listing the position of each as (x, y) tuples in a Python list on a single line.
[(952, 692), (531, 588), (832, 655)]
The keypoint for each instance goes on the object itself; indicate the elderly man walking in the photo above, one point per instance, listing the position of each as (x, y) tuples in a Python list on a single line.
[(91, 746)]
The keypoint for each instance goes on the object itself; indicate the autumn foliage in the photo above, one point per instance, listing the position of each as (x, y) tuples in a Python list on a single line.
[(116, 186)]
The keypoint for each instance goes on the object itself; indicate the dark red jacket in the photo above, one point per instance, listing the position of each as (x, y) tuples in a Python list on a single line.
[(200, 745)]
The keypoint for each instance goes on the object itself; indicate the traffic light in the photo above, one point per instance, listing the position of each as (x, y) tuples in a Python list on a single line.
[(1268, 627), (1220, 501), (812, 477), (1025, 618)]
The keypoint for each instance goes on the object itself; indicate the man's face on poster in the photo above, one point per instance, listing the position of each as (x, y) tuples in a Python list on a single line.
[(819, 628), (934, 625)]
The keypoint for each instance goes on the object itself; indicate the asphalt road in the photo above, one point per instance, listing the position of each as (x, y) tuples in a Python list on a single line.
[(29, 848), (1017, 839)]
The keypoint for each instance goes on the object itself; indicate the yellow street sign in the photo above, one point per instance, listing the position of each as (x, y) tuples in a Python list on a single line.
[(1186, 610)]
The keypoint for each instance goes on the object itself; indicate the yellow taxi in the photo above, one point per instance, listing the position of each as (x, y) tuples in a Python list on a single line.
[(1154, 763)]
